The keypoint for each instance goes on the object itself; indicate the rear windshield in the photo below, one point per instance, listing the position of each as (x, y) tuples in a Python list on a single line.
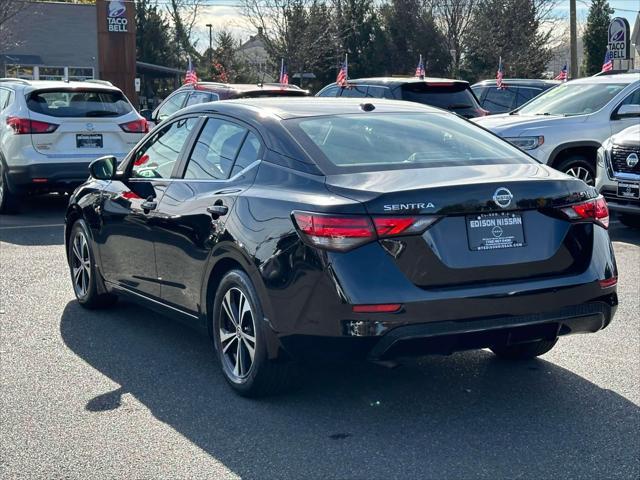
[(79, 103), (391, 141), (456, 97)]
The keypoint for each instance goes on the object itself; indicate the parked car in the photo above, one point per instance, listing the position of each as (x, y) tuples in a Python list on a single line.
[(565, 126), (324, 228), (52, 130), (453, 95), (514, 93), (618, 177), (203, 92)]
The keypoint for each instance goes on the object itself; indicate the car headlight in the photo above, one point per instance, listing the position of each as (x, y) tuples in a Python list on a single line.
[(526, 143)]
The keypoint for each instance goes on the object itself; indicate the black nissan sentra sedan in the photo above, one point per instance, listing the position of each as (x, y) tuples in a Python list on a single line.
[(323, 228)]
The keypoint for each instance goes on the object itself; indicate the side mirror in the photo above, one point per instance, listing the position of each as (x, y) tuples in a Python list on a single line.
[(628, 111), (103, 168), (146, 114)]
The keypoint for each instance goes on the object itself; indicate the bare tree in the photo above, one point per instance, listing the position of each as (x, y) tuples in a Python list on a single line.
[(8, 10), (453, 17), (184, 15), (300, 31)]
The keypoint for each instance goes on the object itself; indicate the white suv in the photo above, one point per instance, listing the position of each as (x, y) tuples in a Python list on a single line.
[(50, 131), (565, 126), (618, 177)]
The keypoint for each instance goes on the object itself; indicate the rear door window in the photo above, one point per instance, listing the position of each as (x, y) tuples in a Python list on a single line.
[(215, 151), (157, 157), (354, 91), (329, 92), (201, 97), (79, 103), (379, 92), (172, 105), (525, 94), (248, 153), (4, 97), (456, 97), (499, 100)]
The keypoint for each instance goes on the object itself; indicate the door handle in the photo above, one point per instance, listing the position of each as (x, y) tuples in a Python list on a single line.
[(218, 210), (149, 204)]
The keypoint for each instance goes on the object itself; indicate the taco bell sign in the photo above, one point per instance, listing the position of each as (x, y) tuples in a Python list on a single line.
[(117, 16), (619, 38)]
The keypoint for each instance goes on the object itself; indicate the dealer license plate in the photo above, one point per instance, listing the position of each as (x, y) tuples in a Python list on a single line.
[(492, 231), (93, 140), (628, 190)]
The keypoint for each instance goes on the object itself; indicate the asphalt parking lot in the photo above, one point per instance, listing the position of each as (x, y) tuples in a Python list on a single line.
[(127, 393)]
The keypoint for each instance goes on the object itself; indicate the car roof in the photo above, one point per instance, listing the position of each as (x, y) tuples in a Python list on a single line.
[(295, 107), (241, 87), (397, 81), (518, 81), (617, 78), (42, 84)]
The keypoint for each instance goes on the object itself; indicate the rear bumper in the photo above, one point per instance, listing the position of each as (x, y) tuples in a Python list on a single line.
[(450, 336), (47, 176)]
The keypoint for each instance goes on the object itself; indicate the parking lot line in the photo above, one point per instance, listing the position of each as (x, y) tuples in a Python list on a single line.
[(16, 227)]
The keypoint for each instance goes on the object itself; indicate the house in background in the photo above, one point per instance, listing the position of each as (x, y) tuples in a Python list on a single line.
[(254, 52)]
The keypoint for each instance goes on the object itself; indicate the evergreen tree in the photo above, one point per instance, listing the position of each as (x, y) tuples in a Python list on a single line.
[(509, 29), (595, 36), (411, 31), (153, 36)]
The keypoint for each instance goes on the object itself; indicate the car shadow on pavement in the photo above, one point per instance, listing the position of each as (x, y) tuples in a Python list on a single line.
[(39, 222), (619, 233), (468, 415)]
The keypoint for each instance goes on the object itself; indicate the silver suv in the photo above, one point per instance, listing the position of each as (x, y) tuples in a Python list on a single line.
[(618, 177), (50, 131), (565, 126)]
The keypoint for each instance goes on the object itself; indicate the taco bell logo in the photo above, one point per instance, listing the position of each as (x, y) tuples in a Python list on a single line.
[(116, 16), (619, 38)]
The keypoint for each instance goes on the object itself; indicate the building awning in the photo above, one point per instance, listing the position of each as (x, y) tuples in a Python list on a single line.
[(143, 67), (30, 60)]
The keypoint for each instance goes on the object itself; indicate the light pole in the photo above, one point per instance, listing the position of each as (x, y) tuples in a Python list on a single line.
[(210, 26), (573, 41)]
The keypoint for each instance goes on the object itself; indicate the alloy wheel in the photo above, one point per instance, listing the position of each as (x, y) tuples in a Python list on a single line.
[(80, 264), (582, 173), (237, 333), (1, 189)]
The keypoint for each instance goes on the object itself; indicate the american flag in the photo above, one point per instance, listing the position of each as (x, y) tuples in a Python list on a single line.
[(284, 76), (563, 74), (191, 76), (500, 75), (343, 75), (420, 72), (607, 66)]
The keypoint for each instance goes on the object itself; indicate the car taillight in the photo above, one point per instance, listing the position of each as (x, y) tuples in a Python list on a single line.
[(595, 210), (136, 126), (344, 232), (24, 126)]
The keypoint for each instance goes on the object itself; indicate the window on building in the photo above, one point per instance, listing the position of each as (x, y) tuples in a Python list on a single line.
[(79, 73), (19, 71), (51, 73)]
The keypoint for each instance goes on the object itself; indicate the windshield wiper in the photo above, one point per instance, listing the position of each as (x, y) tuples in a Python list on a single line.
[(458, 106)]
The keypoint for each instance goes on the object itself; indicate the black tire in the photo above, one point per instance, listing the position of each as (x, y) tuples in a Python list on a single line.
[(524, 351), (630, 220), (251, 377), (8, 200), (83, 270), (576, 165)]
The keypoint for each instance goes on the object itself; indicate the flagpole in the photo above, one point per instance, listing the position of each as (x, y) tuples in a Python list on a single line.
[(346, 66), (281, 69)]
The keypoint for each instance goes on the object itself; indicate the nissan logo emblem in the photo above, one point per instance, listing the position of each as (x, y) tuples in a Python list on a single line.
[(502, 197), (632, 160)]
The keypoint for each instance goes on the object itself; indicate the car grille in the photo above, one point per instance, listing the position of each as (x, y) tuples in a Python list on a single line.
[(619, 154)]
